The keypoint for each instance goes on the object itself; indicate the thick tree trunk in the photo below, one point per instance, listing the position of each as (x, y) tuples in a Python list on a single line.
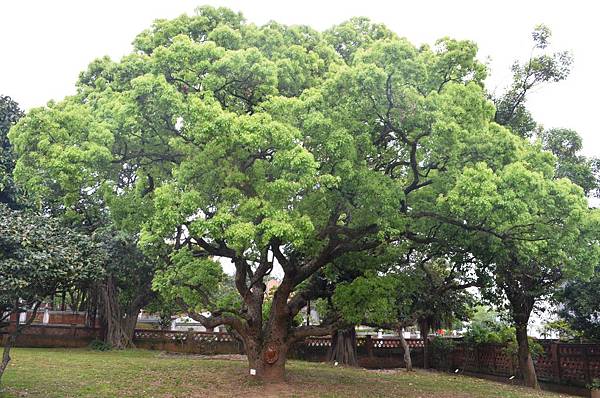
[(119, 325), (524, 356), (267, 363), (406, 349), (343, 347), (424, 329)]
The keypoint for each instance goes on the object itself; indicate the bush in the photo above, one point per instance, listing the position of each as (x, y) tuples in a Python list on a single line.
[(440, 351), (535, 349), (99, 345), (486, 333), (487, 329), (594, 385)]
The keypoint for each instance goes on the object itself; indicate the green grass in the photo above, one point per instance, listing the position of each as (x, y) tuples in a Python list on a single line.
[(37, 373)]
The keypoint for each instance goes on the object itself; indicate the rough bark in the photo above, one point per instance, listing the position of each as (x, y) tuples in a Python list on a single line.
[(406, 349), (267, 362), (118, 323), (524, 357), (343, 347), (6, 353)]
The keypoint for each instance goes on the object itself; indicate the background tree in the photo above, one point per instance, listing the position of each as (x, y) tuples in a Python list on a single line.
[(417, 291), (541, 68), (541, 234), (39, 258), (126, 287), (9, 115), (579, 306), (511, 111), (566, 144)]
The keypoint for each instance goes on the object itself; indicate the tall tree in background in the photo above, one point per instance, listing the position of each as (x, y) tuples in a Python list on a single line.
[(541, 68), (126, 287), (541, 234), (512, 112), (9, 115), (72, 182)]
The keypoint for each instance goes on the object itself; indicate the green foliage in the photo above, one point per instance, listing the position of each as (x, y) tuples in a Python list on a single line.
[(9, 115), (99, 345), (563, 328), (368, 298), (580, 305), (539, 69), (197, 281), (39, 258), (441, 348), (566, 144), (486, 327), (594, 385)]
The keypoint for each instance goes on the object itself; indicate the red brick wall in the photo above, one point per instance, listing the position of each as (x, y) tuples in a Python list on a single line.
[(59, 318)]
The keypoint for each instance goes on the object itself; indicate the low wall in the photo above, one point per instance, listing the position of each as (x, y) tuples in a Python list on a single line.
[(561, 363), (50, 336), (187, 342), (58, 317), (372, 353)]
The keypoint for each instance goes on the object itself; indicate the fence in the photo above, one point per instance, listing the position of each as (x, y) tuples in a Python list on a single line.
[(371, 352), (561, 363), (188, 342)]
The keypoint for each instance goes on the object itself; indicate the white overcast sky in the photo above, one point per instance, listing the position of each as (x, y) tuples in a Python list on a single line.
[(45, 44)]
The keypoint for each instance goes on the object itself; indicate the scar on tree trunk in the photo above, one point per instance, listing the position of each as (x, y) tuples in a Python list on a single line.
[(524, 356), (12, 338), (343, 347), (268, 362)]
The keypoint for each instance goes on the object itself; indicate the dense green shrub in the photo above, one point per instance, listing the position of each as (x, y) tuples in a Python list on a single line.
[(99, 345)]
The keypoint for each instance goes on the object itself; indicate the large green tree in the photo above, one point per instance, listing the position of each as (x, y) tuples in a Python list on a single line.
[(540, 233), (271, 146), (38, 259)]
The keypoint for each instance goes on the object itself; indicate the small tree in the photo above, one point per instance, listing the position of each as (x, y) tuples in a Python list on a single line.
[(39, 258)]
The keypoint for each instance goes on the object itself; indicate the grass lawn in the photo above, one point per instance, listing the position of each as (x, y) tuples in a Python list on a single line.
[(137, 373)]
